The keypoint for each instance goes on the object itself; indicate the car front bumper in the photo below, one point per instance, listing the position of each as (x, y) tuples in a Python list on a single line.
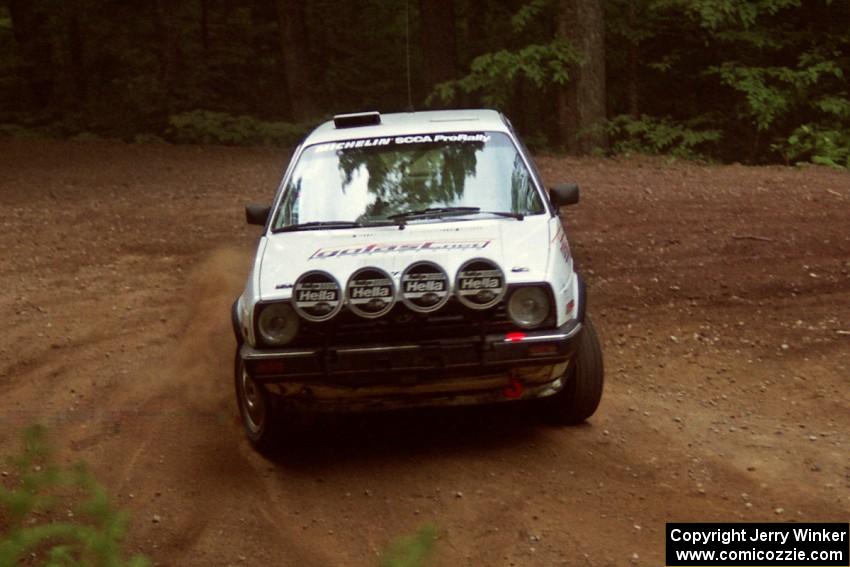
[(451, 371)]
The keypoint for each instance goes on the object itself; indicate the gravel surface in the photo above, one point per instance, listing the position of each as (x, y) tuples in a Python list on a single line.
[(721, 295)]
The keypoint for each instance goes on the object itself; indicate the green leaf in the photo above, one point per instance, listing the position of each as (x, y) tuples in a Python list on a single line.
[(93, 537), (411, 551)]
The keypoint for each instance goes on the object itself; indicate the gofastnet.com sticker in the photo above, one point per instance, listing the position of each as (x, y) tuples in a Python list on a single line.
[(395, 247)]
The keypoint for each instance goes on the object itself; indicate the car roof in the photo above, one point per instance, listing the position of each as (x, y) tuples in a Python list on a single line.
[(410, 123)]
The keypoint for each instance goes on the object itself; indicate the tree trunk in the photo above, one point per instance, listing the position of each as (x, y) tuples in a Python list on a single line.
[(75, 53), (438, 42), (205, 29), (296, 59), (581, 102), (36, 69), (633, 64), (168, 47)]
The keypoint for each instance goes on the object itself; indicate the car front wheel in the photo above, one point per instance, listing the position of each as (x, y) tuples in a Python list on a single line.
[(584, 378), (256, 408)]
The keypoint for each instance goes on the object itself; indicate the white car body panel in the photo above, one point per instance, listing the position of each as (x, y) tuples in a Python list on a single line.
[(531, 250)]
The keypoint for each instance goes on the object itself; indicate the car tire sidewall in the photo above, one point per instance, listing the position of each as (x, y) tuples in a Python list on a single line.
[(258, 431), (583, 382)]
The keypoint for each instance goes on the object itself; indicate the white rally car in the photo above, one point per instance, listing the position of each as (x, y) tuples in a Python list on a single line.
[(413, 259)]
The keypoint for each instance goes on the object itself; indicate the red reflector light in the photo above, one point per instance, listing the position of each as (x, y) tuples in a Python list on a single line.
[(570, 306), (263, 367), (514, 337)]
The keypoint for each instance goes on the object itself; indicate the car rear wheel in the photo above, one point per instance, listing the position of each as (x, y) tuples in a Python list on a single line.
[(584, 379), (257, 409)]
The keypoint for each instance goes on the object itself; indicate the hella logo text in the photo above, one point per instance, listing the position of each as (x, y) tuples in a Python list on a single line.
[(480, 283), (369, 292), (310, 295), (417, 286)]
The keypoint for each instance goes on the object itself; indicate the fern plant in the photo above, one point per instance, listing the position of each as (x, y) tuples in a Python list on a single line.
[(207, 127), (90, 535), (817, 144), (654, 136)]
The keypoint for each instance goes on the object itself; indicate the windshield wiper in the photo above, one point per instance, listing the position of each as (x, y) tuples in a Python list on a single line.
[(327, 225), (434, 212), (508, 214)]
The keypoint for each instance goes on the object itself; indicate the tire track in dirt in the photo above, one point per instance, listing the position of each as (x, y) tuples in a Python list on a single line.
[(184, 402), (705, 416)]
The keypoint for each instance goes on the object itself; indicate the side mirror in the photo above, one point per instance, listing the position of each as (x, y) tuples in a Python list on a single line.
[(257, 214), (563, 195)]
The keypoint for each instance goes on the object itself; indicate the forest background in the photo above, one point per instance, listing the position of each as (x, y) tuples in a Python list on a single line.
[(753, 81)]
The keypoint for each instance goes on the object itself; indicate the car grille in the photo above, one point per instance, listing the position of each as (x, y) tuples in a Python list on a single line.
[(402, 325)]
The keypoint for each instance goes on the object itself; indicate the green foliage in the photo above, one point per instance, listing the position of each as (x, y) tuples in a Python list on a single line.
[(822, 146), (836, 106), (92, 531), (520, 74), (771, 92), (493, 75), (756, 70), (206, 127), (770, 75), (648, 135), (147, 139), (527, 13), (412, 551), (17, 131), (715, 14)]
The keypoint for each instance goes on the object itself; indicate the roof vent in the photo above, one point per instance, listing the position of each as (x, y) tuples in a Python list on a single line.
[(357, 119)]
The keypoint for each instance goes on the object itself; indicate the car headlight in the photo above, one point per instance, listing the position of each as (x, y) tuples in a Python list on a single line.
[(529, 307), (278, 324)]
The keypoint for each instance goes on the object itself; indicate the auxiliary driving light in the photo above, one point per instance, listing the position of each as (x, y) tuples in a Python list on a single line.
[(316, 296), (370, 292), (424, 287), (480, 284)]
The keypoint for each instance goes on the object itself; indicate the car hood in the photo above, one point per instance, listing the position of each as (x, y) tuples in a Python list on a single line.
[(520, 248)]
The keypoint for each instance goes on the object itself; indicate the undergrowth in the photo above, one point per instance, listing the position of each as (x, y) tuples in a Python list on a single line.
[(57, 516)]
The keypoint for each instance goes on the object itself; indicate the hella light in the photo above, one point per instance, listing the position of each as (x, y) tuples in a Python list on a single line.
[(529, 307), (480, 284), (424, 287), (278, 324), (316, 296), (370, 292)]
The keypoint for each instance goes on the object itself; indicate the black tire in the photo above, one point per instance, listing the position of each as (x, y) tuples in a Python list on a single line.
[(584, 378), (257, 409)]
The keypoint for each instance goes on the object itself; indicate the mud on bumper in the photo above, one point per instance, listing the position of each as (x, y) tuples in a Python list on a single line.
[(451, 371)]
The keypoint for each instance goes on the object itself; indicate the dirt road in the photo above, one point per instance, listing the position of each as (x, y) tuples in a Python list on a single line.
[(721, 294)]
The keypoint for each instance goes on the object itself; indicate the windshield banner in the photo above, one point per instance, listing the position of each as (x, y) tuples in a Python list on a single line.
[(404, 140)]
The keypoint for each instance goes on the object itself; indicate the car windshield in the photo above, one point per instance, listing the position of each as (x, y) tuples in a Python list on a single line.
[(369, 181)]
